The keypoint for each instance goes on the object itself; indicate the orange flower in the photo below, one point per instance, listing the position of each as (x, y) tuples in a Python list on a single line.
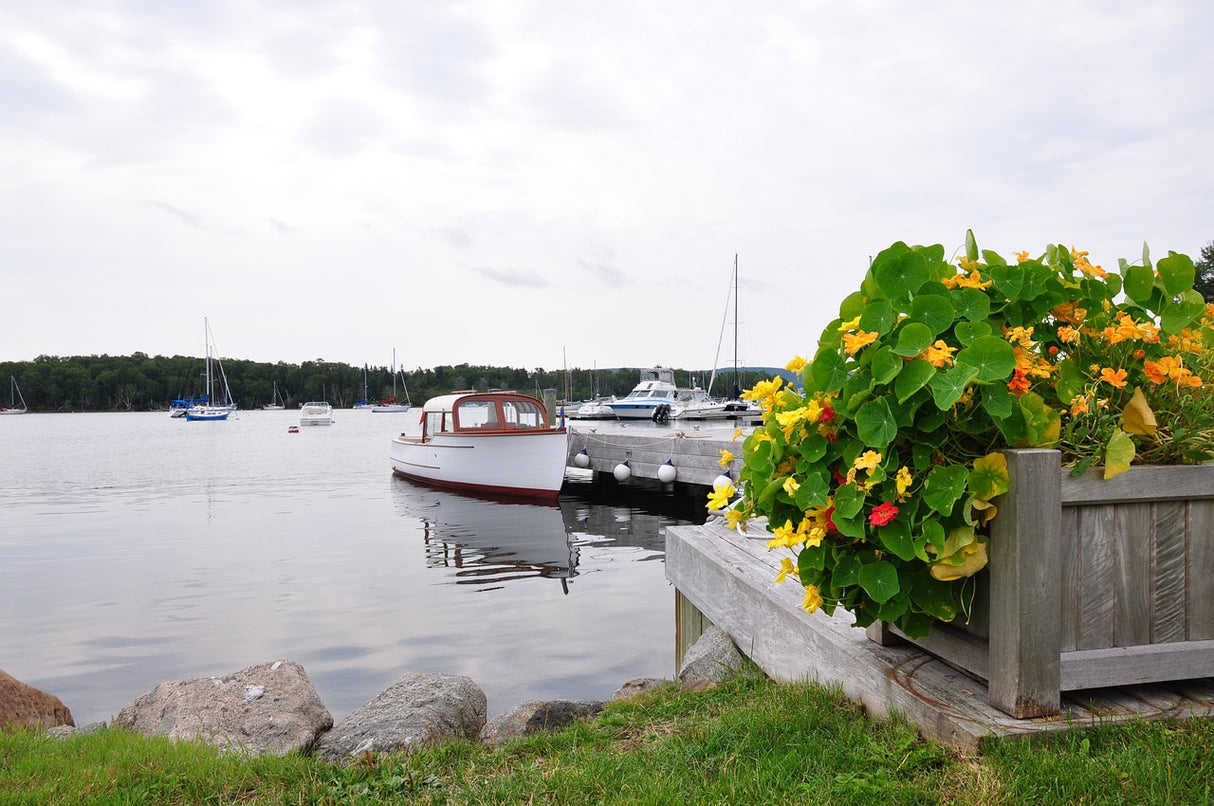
[(852, 342), (1019, 384), (1068, 335), (1113, 377), (1070, 313), (963, 280), (1021, 257), (939, 354), (1079, 405)]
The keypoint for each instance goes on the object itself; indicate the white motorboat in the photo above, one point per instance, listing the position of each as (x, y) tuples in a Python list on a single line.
[(17, 404), (650, 399), (316, 412), (489, 442), (597, 409)]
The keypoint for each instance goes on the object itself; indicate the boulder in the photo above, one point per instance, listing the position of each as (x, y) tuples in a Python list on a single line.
[(268, 708), (536, 716), (711, 659), (23, 706), (638, 686), (415, 710)]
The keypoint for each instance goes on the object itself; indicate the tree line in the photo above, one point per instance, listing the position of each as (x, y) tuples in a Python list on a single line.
[(141, 382)]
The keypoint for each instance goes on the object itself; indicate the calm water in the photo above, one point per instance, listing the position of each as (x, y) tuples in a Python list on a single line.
[(136, 549)]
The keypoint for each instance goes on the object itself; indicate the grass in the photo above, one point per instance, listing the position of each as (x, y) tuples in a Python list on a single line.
[(749, 741)]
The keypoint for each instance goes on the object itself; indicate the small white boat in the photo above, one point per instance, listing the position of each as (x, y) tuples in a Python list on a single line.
[(17, 405), (490, 442), (654, 395), (392, 404), (597, 409), (275, 403), (316, 412)]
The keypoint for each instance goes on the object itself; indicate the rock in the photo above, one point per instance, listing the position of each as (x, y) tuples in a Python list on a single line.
[(712, 658), (23, 706), (417, 709), (536, 716), (67, 731), (637, 687), (268, 708)]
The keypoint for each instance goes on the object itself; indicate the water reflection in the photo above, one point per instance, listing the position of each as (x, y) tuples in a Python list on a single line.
[(487, 542)]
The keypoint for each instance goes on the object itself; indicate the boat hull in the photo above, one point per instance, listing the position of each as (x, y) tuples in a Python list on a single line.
[(207, 415), (522, 465)]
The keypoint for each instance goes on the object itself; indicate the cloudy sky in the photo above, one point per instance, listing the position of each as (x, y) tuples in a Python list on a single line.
[(536, 184)]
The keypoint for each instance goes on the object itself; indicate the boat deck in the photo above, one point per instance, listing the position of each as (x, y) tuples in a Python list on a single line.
[(727, 578)]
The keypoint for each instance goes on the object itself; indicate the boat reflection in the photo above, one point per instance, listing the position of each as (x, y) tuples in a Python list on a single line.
[(489, 542)]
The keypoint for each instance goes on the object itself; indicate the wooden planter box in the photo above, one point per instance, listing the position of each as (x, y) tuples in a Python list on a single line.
[(1091, 583)]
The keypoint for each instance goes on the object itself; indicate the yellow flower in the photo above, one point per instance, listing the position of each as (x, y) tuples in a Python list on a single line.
[(962, 280), (786, 568), (810, 534), (796, 365), (813, 599), (735, 516), (850, 324), (1020, 335), (1068, 335), (867, 461), (720, 496), (785, 537), (726, 458), (737, 432), (902, 482), (852, 342), (791, 485), (1021, 257)]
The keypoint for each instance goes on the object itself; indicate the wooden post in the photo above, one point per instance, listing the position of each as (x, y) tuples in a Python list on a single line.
[(689, 625), (1026, 588)]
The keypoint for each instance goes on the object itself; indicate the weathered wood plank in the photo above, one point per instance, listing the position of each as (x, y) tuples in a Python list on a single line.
[(1200, 574), (1159, 483), (1096, 578), (1069, 599), (1168, 618), (1131, 538), (1123, 666), (689, 625), (1025, 578)]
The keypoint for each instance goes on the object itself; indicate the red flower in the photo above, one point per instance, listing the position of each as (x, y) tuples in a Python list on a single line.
[(827, 414), (882, 514), (1020, 383), (830, 523)]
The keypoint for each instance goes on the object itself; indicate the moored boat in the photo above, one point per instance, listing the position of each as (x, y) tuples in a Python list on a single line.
[(17, 405), (316, 412), (655, 393), (489, 442)]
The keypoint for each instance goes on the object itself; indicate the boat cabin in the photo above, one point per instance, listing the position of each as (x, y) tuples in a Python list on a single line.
[(472, 412)]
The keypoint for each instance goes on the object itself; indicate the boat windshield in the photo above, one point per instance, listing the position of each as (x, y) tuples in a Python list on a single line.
[(492, 414)]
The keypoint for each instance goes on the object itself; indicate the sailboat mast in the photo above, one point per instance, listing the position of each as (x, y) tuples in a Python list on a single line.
[(737, 390)]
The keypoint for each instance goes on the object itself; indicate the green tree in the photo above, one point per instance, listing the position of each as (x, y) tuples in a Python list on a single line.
[(1205, 272)]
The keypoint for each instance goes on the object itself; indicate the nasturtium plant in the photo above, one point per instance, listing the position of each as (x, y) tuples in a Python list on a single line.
[(880, 471)]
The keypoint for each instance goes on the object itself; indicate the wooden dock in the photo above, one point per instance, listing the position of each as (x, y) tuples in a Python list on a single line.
[(727, 578), (696, 456)]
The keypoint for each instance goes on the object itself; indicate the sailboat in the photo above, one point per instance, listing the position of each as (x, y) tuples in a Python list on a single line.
[(15, 395), (701, 405), (361, 405), (275, 403), (391, 403), (208, 412)]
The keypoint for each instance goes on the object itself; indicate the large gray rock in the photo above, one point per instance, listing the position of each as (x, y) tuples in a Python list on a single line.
[(415, 710), (536, 716), (711, 659), (638, 686), (268, 708), (23, 706)]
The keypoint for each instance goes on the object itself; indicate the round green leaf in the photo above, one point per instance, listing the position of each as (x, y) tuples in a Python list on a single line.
[(878, 317), (913, 338), (900, 275), (913, 377), (1139, 281), (1176, 316), (827, 371), (934, 311), (879, 580), (885, 365), (948, 386), (970, 303), (1177, 272), (944, 486), (991, 356), (875, 424)]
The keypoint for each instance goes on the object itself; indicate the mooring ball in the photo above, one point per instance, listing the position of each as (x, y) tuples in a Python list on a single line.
[(622, 471), (667, 473), (581, 459)]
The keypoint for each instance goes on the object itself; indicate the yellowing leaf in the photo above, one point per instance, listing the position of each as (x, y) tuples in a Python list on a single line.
[(1118, 454), (989, 477), (984, 511), (973, 560), (1138, 417), (958, 539)]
